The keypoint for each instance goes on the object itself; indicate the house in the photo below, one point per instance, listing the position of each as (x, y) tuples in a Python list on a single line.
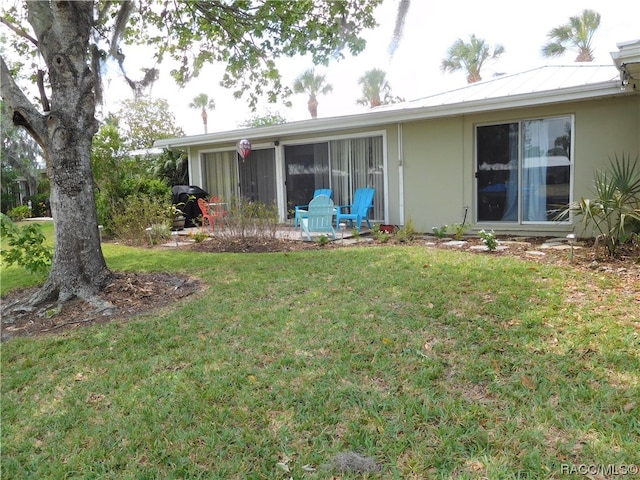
[(504, 154)]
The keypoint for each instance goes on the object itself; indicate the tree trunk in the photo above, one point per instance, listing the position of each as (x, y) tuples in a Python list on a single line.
[(65, 135), (473, 77), (585, 55), (204, 119), (312, 105)]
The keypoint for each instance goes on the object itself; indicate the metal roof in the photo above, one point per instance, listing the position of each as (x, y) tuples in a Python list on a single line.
[(542, 79), (540, 86)]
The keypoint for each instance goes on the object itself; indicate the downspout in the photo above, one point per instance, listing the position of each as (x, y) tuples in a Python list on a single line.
[(400, 175), (280, 181), (190, 169)]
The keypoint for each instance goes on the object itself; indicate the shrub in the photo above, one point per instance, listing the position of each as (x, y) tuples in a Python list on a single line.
[(379, 235), (198, 237), (158, 232), (251, 219), (39, 205), (614, 213), (440, 232), (489, 239), (19, 213), (136, 214), (459, 230), (322, 240), (27, 246), (406, 232)]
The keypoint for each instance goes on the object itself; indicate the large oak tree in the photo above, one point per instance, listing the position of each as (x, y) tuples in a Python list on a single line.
[(72, 38)]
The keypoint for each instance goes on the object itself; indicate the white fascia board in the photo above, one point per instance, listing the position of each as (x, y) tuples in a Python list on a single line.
[(628, 52), (399, 115)]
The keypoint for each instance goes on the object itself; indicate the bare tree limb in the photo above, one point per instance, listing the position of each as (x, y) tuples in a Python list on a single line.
[(18, 31), (43, 94), (24, 113)]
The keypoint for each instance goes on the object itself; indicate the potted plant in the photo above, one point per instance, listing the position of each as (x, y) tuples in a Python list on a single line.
[(176, 214)]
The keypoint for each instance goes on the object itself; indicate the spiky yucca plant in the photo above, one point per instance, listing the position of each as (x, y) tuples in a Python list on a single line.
[(614, 213)]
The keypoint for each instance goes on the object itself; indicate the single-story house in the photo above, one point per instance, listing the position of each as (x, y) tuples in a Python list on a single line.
[(503, 154)]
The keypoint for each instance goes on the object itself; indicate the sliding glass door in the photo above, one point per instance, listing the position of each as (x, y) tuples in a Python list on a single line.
[(358, 163), (257, 176), (523, 170), (306, 170), (228, 176)]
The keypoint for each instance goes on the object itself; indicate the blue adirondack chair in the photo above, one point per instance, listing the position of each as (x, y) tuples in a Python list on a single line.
[(302, 209), (318, 217), (358, 210)]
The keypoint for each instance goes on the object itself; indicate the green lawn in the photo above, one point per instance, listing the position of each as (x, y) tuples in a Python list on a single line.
[(437, 364)]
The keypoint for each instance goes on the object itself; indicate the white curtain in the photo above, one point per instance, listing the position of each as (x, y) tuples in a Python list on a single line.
[(534, 180), (221, 174), (358, 163), (339, 153)]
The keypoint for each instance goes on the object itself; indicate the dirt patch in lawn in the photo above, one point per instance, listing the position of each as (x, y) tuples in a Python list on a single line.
[(135, 293), (129, 293)]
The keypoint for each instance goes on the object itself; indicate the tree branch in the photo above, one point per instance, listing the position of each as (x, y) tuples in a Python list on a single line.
[(23, 111), (43, 94), (40, 17), (19, 31)]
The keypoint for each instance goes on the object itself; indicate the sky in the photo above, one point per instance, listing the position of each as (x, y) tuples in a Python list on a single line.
[(414, 70)]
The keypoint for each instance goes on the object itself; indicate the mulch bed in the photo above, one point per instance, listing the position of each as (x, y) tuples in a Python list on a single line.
[(130, 293)]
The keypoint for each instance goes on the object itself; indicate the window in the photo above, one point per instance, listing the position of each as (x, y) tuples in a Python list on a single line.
[(342, 165), (227, 176), (523, 170)]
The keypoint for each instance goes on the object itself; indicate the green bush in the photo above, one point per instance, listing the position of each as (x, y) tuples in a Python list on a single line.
[(137, 213), (198, 237), (158, 232), (614, 212), (27, 246), (440, 232), (489, 239), (39, 205), (459, 230), (322, 240), (407, 232), (251, 219), (19, 213), (379, 235)]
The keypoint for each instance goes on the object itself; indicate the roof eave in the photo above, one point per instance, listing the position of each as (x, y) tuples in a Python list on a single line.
[(400, 115)]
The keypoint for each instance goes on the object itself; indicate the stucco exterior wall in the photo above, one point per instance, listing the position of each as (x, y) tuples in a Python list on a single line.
[(433, 172), (430, 172), (439, 159)]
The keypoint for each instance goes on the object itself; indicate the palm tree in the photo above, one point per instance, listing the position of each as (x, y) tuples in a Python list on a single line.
[(575, 35), (376, 90), (398, 31), (202, 102), (313, 85), (470, 57)]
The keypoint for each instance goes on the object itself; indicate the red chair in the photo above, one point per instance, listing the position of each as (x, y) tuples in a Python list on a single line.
[(216, 208), (206, 215)]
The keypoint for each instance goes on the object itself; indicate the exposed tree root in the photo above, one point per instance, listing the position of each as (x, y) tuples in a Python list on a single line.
[(127, 294)]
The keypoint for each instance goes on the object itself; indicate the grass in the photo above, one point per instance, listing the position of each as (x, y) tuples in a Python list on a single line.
[(437, 364)]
